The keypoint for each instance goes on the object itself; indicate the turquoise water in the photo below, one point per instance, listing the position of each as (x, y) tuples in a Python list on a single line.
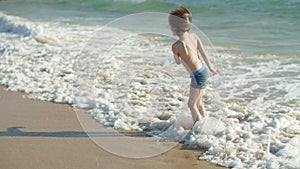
[(254, 26), (55, 51)]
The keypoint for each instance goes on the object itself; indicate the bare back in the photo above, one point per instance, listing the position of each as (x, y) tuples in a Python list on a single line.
[(187, 49)]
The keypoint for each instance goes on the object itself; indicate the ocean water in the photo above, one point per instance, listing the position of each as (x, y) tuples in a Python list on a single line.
[(125, 76)]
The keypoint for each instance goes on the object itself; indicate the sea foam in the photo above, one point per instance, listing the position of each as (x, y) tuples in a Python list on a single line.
[(255, 111)]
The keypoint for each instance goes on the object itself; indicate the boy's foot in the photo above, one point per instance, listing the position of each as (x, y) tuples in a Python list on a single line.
[(199, 125)]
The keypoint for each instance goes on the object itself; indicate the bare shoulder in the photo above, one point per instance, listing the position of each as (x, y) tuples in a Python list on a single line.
[(195, 36), (177, 45), (197, 40), (179, 48)]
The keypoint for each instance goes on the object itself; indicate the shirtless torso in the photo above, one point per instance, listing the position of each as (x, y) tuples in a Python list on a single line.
[(186, 51)]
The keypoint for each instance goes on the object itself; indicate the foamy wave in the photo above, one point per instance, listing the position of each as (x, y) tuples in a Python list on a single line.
[(32, 65), (256, 108), (16, 25)]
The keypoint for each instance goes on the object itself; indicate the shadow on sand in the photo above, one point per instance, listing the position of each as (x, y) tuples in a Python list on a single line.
[(16, 132)]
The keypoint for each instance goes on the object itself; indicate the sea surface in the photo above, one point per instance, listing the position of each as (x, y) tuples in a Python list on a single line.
[(114, 59)]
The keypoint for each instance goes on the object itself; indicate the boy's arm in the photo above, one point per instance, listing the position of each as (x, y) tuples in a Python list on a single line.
[(175, 54), (205, 57)]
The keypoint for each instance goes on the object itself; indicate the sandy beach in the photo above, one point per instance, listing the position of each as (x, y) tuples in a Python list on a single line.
[(115, 59), (39, 134)]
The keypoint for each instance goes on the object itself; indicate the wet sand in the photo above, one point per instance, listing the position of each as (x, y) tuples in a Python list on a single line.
[(45, 135)]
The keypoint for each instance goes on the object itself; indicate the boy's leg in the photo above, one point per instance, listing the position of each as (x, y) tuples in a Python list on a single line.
[(200, 105), (192, 103)]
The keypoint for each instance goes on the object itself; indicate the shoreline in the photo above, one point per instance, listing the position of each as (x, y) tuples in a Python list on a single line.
[(41, 134)]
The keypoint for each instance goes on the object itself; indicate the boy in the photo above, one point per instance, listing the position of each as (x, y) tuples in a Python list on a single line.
[(185, 52)]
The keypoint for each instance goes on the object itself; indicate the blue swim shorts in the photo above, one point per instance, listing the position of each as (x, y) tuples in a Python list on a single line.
[(199, 78)]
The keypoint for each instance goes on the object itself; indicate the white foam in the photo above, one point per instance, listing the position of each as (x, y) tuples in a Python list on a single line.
[(254, 110), (15, 25)]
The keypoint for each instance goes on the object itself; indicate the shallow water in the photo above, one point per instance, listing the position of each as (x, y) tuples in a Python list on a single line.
[(128, 80)]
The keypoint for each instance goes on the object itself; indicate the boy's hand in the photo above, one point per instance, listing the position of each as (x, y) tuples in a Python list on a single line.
[(214, 70)]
